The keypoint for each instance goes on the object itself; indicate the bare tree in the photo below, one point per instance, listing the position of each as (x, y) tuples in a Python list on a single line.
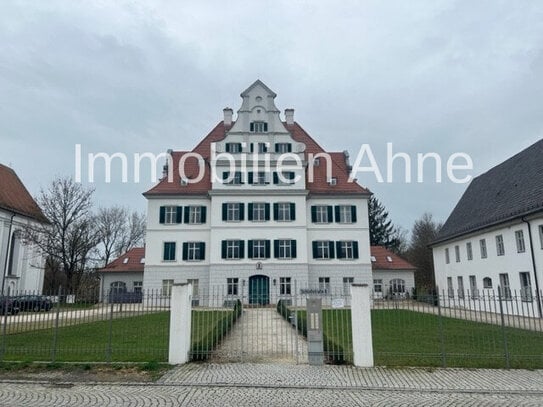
[(70, 237), (119, 231)]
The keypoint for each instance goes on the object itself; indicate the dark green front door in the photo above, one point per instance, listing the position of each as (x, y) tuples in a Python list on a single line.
[(259, 290)]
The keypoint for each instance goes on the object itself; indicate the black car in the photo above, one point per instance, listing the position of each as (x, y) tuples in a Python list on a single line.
[(33, 303), (8, 305)]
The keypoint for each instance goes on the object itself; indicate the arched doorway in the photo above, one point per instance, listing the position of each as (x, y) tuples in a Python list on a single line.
[(259, 289)]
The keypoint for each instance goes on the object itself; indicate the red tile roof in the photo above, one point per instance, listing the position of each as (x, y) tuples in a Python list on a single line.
[(15, 197), (319, 185), (381, 255), (133, 264)]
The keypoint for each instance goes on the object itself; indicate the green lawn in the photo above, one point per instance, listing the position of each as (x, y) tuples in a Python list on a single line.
[(409, 338)]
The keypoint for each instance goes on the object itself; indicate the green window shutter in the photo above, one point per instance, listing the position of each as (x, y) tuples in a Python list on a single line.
[(225, 175), (224, 211), (289, 148), (315, 249), (339, 253), (337, 213), (250, 211), (252, 147), (330, 210), (223, 249), (292, 211), (314, 214), (162, 215), (276, 147), (250, 176), (267, 211), (355, 249), (241, 211), (252, 127), (249, 249), (203, 211), (275, 178), (276, 248), (202, 251), (178, 214), (185, 251), (241, 249), (331, 246), (275, 211), (353, 213), (293, 248), (267, 248), (265, 126), (187, 214)]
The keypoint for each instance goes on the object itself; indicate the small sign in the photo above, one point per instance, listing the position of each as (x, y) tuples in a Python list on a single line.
[(313, 291), (338, 303)]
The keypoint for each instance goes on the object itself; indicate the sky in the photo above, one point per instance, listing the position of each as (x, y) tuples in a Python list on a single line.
[(146, 76)]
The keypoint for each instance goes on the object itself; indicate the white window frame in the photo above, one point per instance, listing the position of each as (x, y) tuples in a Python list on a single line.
[(232, 286), (474, 291), (525, 286), (505, 286), (193, 251), (170, 215), (345, 214), (482, 247), (347, 247), (285, 286), (259, 211), (259, 127), (195, 215), (285, 248), (519, 238), (259, 249), (469, 251), (347, 281), (283, 212), (323, 249), (167, 287), (233, 247), (397, 286), (460, 282), (195, 286), (137, 286), (282, 148), (500, 247), (233, 213), (378, 285), (324, 284), (321, 214)]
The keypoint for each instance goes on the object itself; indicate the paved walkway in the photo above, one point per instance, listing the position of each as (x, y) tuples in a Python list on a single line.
[(292, 385), (261, 334)]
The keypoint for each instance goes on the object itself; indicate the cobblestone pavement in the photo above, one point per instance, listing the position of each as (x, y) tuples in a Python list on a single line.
[(292, 385), (264, 336)]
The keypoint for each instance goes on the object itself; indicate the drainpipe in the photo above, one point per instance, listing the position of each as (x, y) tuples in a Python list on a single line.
[(534, 266), (7, 254)]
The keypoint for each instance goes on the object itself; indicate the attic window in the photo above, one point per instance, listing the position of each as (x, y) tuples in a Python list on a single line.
[(184, 181), (389, 259), (333, 181), (125, 260), (258, 127), (142, 261), (373, 259)]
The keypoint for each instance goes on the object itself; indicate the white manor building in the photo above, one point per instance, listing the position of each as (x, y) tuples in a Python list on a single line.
[(262, 223), (494, 238)]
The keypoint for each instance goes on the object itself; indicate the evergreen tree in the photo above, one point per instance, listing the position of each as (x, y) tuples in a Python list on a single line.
[(382, 231)]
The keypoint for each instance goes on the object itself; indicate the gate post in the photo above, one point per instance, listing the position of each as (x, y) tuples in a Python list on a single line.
[(361, 325), (180, 323)]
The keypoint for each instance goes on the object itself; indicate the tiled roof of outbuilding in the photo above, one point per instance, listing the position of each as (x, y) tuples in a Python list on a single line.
[(131, 261), (387, 260)]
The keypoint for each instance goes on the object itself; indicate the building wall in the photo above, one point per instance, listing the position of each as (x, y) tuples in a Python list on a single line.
[(388, 275), (127, 277), (511, 263)]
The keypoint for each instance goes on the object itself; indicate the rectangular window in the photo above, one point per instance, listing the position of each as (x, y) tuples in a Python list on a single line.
[(167, 287), (283, 148), (324, 284), (474, 291), (323, 249), (232, 179), (259, 178), (259, 249), (193, 251), (138, 286), (321, 214), (285, 249), (232, 286), (519, 237), (195, 286), (284, 211), (233, 148), (170, 215), (284, 178), (232, 211), (482, 246), (259, 211), (457, 253), (232, 249), (347, 249), (169, 251), (460, 282), (378, 286), (525, 287), (345, 213), (450, 288), (347, 281), (447, 256), (500, 249), (262, 148), (541, 236), (195, 214), (504, 286), (469, 251), (285, 286), (258, 127)]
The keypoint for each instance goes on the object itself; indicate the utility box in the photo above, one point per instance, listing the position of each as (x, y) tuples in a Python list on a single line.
[(314, 332)]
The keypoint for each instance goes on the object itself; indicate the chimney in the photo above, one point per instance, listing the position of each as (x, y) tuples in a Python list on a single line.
[(289, 116), (228, 113)]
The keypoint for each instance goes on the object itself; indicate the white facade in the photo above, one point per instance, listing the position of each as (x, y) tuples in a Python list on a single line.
[(22, 263), (282, 225), (511, 269)]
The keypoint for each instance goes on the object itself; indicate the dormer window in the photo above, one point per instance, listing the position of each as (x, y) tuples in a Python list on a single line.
[(373, 259), (125, 261), (233, 148), (282, 148), (389, 259), (258, 127), (184, 181), (333, 181)]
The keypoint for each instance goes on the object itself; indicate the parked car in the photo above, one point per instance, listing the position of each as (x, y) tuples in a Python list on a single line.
[(8, 305), (33, 303)]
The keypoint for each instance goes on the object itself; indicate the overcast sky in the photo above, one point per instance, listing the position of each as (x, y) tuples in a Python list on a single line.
[(146, 76)]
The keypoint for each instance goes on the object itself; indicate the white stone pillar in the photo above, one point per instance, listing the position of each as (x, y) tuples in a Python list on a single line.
[(361, 325), (180, 323)]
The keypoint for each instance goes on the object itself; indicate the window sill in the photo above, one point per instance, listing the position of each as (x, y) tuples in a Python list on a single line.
[(168, 261)]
